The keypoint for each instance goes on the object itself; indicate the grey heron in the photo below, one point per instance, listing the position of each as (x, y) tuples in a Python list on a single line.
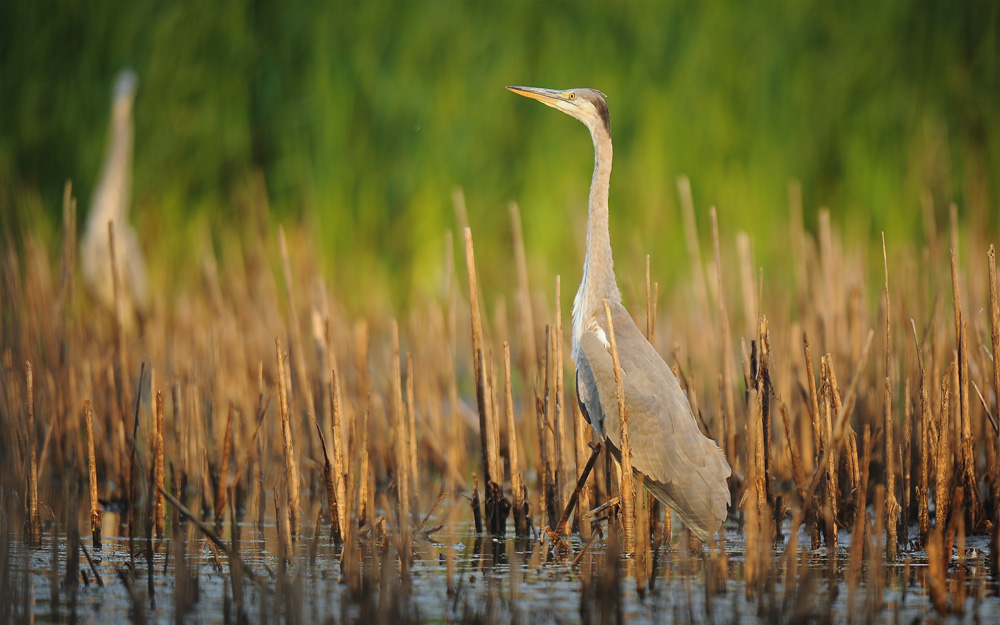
[(684, 469), (110, 203)]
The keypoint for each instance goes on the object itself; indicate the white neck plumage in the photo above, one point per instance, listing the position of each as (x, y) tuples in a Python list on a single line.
[(598, 283)]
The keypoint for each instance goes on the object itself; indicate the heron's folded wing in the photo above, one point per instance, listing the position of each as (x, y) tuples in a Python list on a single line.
[(666, 442)]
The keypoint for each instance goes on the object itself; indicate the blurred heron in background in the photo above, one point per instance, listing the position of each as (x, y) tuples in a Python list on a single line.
[(110, 205), (684, 469)]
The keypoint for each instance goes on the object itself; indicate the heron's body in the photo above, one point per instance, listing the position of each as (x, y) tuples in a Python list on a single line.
[(684, 469), (110, 204)]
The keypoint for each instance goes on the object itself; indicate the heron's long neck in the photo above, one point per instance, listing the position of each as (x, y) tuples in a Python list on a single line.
[(598, 281), (111, 197)]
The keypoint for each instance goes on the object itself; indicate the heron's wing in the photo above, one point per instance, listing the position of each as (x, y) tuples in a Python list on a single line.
[(667, 445)]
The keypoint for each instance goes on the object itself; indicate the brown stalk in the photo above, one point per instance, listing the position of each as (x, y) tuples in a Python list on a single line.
[(754, 502), (96, 511), (329, 481), (891, 505), (626, 486), (813, 400), (485, 421), (227, 447), (967, 460), (559, 430), (300, 386), (942, 480), (339, 466), (521, 520), (288, 446), (655, 526), (159, 512), (729, 417), (995, 335), (924, 453), (906, 460), (34, 522), (834, 448), (541, 422), (366, 493), (858, 532), (411, 432), (829, 506), (401, 461)]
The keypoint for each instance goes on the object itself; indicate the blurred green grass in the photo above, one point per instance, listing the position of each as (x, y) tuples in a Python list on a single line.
[(363, 117)]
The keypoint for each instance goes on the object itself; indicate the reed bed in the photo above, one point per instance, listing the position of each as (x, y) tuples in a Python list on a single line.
[(248, 450)]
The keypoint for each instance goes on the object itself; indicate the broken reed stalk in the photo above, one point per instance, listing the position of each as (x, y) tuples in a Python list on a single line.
[(829, 504), (482, 393), (858, 532), (729, 416), (366, 490), (923, 476), (329, 481), (516, 482), (755, 496), (967, 460), (942, 479), (96, 511), (133, 460), (995, 335), (655, 527), (834, 448), (559, 429), (891, 505), (227, 447), (546, 442), (411, 434), (401, 463), (300, 386), (158, 508), (580, 483), (337, 434), (288, 445), (34, 522), (627, 485)]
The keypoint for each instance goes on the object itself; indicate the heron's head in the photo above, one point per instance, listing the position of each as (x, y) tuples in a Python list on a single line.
[(587, 105)]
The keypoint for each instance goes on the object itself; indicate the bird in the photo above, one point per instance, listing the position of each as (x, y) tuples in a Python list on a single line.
[(684, 469), (110, 203)]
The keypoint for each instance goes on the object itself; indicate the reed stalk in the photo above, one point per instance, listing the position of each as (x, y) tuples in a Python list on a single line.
[(34, 522), (891, 506), (729, 415), (521, 518), (626, 486), (96, 511), (159, 512), (288, 445)]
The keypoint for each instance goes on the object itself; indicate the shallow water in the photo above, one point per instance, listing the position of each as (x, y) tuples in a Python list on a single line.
[(523, 581)]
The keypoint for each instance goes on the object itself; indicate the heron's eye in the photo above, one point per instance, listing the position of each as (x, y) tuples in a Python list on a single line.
[(571, 96)]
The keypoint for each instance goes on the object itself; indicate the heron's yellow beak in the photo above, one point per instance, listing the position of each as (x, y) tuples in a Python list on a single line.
[(545, 96)]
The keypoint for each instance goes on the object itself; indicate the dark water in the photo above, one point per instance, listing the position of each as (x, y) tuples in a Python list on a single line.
[(520, 581)]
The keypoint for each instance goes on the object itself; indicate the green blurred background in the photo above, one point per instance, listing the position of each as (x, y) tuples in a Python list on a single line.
[(362, 118)]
